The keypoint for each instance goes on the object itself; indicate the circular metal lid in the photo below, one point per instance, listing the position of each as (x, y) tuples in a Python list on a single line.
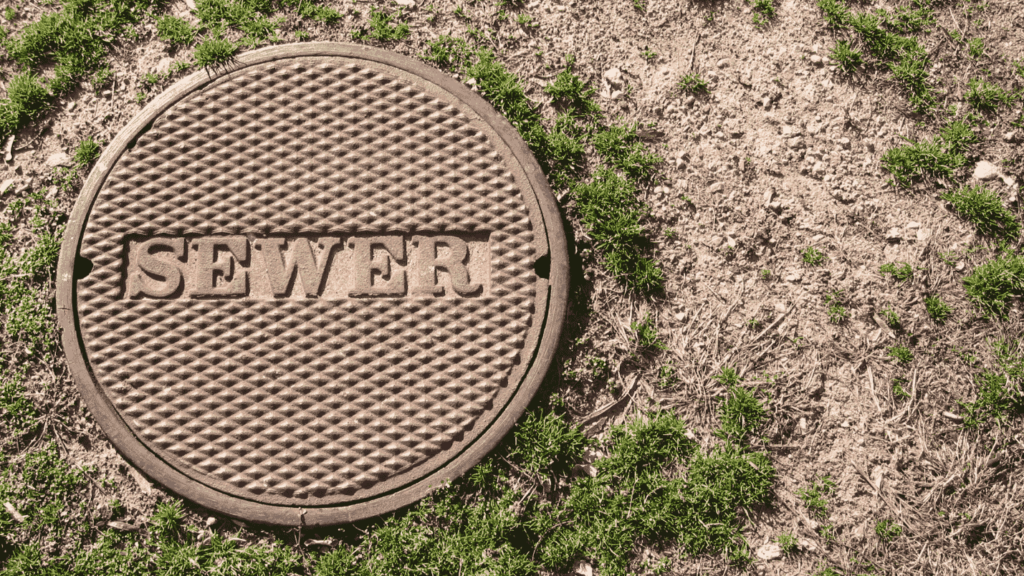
[(309, 287)]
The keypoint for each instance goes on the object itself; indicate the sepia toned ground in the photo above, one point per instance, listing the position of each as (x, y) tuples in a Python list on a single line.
[(794, 345)]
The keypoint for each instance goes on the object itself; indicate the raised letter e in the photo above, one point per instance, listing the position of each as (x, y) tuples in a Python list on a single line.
[(208, 266), (364, 265)]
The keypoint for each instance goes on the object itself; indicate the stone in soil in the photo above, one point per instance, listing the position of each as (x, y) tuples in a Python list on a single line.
[(58, 159), (986, 171), (768, 552), (614, 77)]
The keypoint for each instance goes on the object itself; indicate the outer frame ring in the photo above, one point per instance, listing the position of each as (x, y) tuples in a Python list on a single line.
[(140, 455)]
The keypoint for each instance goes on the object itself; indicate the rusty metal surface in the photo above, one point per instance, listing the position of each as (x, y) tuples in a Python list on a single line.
[(313, 292)]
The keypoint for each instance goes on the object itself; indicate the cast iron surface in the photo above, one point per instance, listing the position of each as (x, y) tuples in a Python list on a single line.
[(314, 292)]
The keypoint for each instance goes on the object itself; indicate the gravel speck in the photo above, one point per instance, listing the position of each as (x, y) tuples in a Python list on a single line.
[(986, 171)]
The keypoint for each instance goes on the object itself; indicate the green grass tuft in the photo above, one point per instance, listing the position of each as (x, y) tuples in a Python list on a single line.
[(383, 27), (565, 151), (693, 83), (727, 377), (787, 542), (1000, 393), (568, 92), (837, 15), (898, 392), (908, 20), (937, 310), (837, 312), (646, 334), (611, 213), (764, 10), (545, 444), (741, 415), (27, 98), (621, 147), (215, 52), (668, 376), (940, 157), (605, 523), (906, 59), (983, 208), (42, 489), (899, 271), (312, 11), (995, 401), (847, 58), (887, 530), (447, 53), (87, 151), (985, 96), (19, 414), (957, 136), (251, 17), (976, 47), (175, 31), (993, 283), (812, 256), (911, 70), (814, 496), (901, 354), (891, 318), (165, 523)]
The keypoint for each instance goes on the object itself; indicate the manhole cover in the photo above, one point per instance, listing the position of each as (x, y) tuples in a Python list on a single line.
[(311, 287)]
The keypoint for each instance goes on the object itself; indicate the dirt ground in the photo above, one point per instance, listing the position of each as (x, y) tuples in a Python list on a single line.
[(782, 153)]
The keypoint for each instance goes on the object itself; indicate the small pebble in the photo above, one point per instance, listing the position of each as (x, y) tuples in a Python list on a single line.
[(614, 77), (58, 159), (986, 171), (767, 552)]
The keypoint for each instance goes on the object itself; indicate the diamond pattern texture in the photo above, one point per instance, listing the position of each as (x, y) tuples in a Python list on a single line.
[(308, 402)]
